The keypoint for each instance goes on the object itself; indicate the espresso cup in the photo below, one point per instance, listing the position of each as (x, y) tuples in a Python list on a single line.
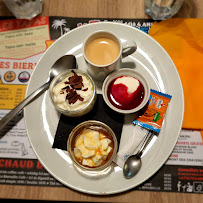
[(103, 52)]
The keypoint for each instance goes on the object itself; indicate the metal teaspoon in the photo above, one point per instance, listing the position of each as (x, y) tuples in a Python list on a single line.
[(133, 163), (63, 63)]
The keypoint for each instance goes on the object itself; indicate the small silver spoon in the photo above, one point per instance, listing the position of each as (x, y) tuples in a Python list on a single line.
[(133, 163), (63, 63)]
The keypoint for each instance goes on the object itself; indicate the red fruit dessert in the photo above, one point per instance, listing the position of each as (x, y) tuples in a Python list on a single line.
[(125, 92)]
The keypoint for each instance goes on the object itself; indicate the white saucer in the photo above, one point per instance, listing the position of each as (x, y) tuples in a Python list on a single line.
[(41, 117)]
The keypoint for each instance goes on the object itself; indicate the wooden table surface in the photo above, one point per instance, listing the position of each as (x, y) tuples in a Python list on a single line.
[(100, 9)]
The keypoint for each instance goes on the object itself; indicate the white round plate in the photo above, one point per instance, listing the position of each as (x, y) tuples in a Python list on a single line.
[(41, 117)]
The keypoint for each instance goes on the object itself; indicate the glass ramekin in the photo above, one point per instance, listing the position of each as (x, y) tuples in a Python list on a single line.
[(87, 124), (74, 113)]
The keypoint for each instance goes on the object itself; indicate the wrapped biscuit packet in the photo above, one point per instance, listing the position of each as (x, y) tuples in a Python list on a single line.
[(153, 116), (150, 119)]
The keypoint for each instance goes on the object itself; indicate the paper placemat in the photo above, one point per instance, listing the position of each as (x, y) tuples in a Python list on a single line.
[(18, 163)]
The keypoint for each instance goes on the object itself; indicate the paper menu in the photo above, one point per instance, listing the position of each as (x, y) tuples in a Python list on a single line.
[(22, 43)]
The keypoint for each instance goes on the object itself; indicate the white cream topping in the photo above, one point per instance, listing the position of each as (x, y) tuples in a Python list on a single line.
[(130, 82), (62, 102), (92, 148)]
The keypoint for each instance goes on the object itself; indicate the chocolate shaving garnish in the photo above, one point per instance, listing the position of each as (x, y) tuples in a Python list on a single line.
[(73, 72), (65, 87), (85, 89), (68, 89), (75, 83), (77, 87), (71, 94), (74, 99), (81, 98)]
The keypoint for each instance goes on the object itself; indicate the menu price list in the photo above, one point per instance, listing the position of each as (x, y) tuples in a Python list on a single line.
[(25, 172), (171, 178)]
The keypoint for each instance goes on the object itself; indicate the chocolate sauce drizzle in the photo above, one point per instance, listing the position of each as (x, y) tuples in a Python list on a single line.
[(74, 83)]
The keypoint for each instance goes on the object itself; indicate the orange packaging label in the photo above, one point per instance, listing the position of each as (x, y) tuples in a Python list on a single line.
[(153, 115)]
